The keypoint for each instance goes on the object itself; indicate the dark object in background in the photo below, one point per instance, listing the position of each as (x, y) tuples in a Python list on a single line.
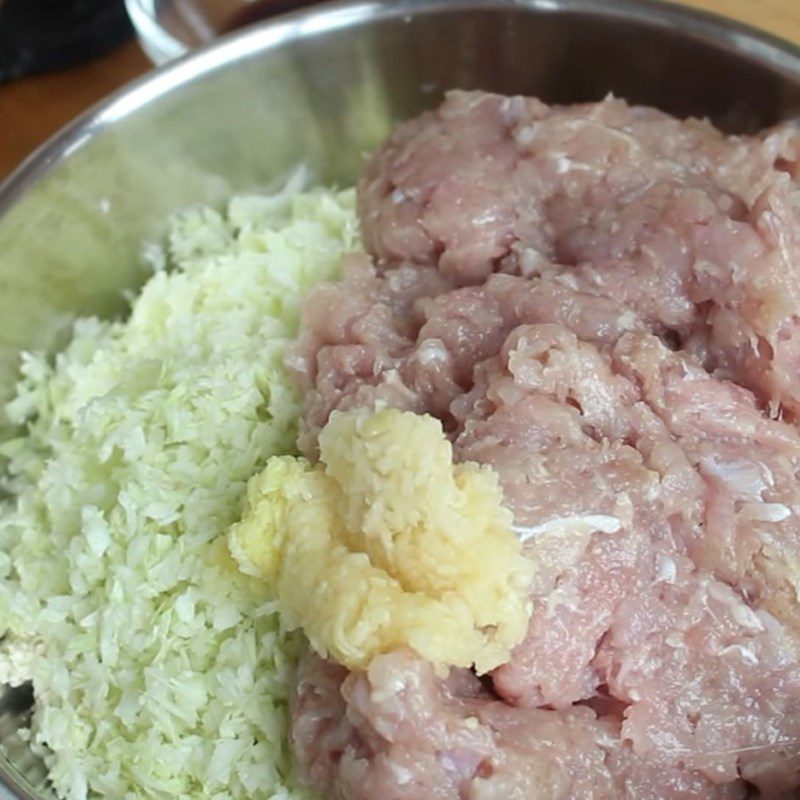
[(40, 35)]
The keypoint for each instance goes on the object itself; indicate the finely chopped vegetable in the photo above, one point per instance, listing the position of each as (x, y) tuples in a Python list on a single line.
[(159, 669)]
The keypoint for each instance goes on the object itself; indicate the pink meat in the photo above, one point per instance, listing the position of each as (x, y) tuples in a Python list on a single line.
[(397, 732), (681, 224), (600, 302), (710, 684), (358, 334), (750, 532), (551, 408)]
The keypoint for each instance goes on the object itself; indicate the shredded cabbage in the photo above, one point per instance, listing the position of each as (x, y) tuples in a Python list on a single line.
[(159, 670)]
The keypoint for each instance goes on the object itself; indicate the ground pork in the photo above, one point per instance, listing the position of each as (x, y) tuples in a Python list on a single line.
[(603, 304)]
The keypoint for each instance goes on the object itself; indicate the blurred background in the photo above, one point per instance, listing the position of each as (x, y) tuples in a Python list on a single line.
[(59, 57)]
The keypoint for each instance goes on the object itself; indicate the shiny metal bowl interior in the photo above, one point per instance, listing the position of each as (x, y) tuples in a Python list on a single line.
[(322, 87)]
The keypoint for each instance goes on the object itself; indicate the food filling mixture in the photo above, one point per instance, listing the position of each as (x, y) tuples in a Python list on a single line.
[(490, 494)]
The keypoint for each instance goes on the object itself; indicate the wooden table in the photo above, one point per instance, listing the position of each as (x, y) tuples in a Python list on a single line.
[(33, 108)]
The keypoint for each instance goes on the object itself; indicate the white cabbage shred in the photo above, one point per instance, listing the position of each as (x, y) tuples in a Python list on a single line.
[(159, 670)]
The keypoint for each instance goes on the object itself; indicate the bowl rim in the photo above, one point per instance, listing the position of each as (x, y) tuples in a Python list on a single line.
[(325, 17), (153, 38), (329, 16)]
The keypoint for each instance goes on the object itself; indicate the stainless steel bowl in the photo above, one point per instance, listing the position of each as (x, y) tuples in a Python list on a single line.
[(322, 87)]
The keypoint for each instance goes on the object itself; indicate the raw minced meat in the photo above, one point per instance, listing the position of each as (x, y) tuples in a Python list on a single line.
[(601, 303)]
